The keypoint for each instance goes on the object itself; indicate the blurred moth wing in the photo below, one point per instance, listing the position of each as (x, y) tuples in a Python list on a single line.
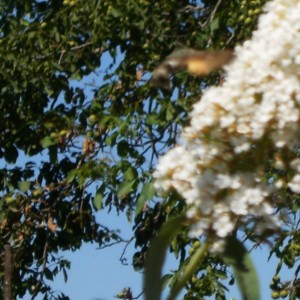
[(195, 62)]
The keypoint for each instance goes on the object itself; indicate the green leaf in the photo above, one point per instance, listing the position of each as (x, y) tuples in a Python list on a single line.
[(237, 256), (215, 24), (98, 201), (76, 75), (122, 148), (47, 142), (11, 154), (71, 175), (170, 112), (116, 13), (53, 154), (153, 270), (48, 274), (81, 180), (65, 275), (130, 174), (24, 186), (220, 274), (147, 194), (165, 280), (137, 261), (111, 140), (125, 188), (153, 119)]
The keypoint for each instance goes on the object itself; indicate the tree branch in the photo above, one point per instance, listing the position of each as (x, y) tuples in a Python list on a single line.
[(7, 287)]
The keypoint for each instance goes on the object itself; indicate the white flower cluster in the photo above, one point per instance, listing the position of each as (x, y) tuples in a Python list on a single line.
[(237, 127)]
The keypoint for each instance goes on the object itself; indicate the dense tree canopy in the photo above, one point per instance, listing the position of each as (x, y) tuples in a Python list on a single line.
[(82, 127)]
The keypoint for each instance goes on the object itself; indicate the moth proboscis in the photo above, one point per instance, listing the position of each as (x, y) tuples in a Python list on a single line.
[(195, 62)]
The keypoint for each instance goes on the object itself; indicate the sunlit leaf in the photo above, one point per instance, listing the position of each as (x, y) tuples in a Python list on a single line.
[(125, 187), (147, 193), (47, 142), (130, 174), (215, 24), (24, 186), (116, 12), (165, 280), (98, 201)]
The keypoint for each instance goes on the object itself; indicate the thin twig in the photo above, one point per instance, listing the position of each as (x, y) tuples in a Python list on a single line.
[(61, 56), (124, 250), (81, 46), (212, 15), (61, 53), (138, 296)]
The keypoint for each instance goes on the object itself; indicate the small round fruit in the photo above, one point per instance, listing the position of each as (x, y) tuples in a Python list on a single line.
[(257, 11), (250, 12), (146, 46), (120, 296), (248, 21), (194, 279), (275, 295), (284, 293), (63, 132), (9, 200), (53, 135), (92, 119), (37, 192), (241, 18)]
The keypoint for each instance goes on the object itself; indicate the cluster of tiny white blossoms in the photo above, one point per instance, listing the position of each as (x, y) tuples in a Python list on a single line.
[(235, 128)]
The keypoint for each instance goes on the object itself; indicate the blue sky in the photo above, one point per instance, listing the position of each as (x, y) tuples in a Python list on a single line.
[(98, 274)]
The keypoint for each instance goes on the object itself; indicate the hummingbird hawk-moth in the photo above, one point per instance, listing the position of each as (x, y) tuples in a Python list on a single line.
[(193, 61)]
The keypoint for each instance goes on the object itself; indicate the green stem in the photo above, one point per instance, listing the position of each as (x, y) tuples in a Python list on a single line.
[(189, 270)]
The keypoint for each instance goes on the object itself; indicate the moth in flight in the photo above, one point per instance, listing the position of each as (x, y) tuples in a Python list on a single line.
[(192, 61)]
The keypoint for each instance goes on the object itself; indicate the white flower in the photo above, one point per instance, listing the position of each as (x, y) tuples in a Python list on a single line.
[(295, 164), (223, 225), (294, 185), (239, 127)]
